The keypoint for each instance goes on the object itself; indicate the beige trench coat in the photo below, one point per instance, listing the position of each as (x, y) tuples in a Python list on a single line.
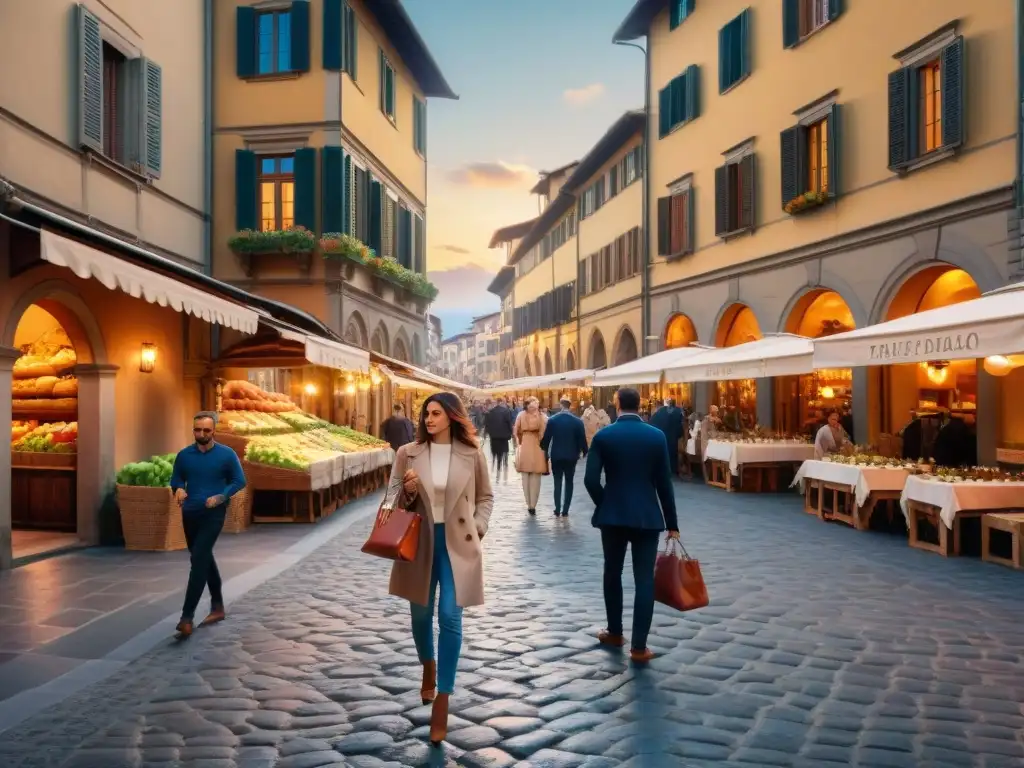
[(468, 503), (528, 431)]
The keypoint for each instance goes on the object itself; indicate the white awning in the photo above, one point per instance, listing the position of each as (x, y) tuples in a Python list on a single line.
[(780, 354), (990, 325), (325, 352), (439, 382), (645, 370), (141, 283), (405, 382), (559, 380)]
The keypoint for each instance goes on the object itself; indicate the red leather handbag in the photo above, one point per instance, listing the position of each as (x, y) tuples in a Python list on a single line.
[(396, 531), (678, 582)]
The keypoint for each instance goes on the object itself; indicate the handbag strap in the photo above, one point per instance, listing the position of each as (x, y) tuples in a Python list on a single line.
[(671, 544)]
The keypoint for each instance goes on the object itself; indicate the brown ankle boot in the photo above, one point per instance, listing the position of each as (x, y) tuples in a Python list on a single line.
[(439, 720), (428, 688)]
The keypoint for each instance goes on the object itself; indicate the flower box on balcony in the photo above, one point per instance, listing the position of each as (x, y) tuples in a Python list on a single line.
[(297, 243), (805, 202), (383, 270)]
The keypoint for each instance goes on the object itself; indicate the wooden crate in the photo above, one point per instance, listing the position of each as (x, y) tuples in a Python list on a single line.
[(918, 512), (1007, 522)]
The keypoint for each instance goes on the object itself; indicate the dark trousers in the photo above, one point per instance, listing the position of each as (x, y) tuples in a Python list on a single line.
[(563, 473), (201, 532), (644, 545), (499, 452)]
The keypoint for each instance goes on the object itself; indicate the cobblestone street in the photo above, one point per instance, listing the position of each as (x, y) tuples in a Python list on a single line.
[(822, 646)]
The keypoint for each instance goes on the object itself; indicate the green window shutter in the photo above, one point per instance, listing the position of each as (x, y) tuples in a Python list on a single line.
[(380, 80), (246, 190), (790, 163), (692, 109), (151, 111), (332, 180), (790, 23), (952, 62), (419, 245), (678, 87), (300, 36), (900, 108), (245, 41), (691, 228), (835, 7), (349, 201), (90, 81), (665, 111), (407, 240), (743, 45), (834, 152), (374, 217), (332, 35), (723, 58), (664, 226), (351, 41), (748, 181), (305, 188), (722, 200)]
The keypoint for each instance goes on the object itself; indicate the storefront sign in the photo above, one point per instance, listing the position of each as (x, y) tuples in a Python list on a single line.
[(713, 372), (956, 345)]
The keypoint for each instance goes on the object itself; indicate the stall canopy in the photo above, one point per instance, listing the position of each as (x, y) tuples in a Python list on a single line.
[(325, 352), (278, 344), (990, 325), (414, 374), (780, 354), (406, 382), (141, 283), (575, 378), (645, 370)]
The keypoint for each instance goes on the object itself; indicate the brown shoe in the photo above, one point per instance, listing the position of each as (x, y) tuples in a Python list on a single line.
[(641, 656), (216, 616), (184, 629), (607, 638), (439, 720), (428, 688)]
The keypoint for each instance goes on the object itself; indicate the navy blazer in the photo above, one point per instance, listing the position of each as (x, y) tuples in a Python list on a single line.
[(569, 436), (637, 492)]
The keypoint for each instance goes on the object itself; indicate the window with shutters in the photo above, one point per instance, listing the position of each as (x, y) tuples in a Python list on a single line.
[(817, 157), (802, 18), (419, 125), (273, 42), (813, 15), (679, 10), (734, 52), (388, 230), (735, 192), (115, 107), (676, 220), (387, 87), (349, 38), (679, 101), (927, 101), (276, 192), (809, 157)]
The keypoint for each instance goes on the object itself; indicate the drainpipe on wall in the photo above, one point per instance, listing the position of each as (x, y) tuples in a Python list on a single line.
[(558, 328), (1019, 185), (580, 363), (208, 137)]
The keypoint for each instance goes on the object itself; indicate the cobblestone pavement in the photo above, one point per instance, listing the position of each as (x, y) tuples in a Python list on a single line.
[(823, 646)]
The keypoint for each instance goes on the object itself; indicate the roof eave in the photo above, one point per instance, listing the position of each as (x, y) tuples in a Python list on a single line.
[(430, 79), (638, 21)]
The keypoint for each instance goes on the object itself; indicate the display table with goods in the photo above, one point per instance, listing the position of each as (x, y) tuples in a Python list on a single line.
[(44, 488), (940, 502), (313, 464), (849, 488), (767, 460), (151, 518)]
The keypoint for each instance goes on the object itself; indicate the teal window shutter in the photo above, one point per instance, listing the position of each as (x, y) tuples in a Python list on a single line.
[(680, 10), (419, 246), (743, 43), (723, 58), (419, 116), (790, 23), (305, 188), (374, 236), (349, 199), (300, 36), (901, 107), (665, 110), (407, 240), (678, 99), (791, 163), (952, 63), (692, 109), (332, 172), (834, 151), (691, 221), (734, 51), (245, 41), (90, 81), (151, 112), (246, 201), (332, 35), (350, 40), (835, 8)]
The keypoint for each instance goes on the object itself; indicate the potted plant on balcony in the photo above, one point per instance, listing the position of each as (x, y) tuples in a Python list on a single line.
[(296, 242), (806, 201)]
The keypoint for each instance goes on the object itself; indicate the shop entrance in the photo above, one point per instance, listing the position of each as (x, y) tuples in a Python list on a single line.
[(44, 432), (737, 399)]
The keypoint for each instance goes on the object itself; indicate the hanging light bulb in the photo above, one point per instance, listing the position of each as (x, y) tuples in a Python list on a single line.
[(827, 392), (375, 378), (364, 384), (937, 375), (997, 365)]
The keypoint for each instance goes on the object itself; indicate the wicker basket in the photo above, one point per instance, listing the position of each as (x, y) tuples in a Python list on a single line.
[(150, 519), (239, 514), (263, 477)]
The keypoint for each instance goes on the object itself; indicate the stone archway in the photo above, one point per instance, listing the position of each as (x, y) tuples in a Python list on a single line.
[(737, 325), (527, 370), (548, 366), (598, 356), (417, 349), (570, 360), (379, 342), (355, 331), (679, 332), (536, 365), (400, 349), (625, 349)]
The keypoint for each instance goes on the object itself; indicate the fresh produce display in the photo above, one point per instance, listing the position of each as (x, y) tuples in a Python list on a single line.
[(240, 395), (154, 473), (354, 436), (42, 375), (254, 423), (56, 437), (275, 453), (300, 422)]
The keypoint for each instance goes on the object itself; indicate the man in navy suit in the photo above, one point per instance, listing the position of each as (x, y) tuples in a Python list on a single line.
[(633, 507), (564, 441)]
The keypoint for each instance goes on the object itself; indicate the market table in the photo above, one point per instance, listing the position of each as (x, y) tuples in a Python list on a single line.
[(946, 505), (766, 459), (855, 489)]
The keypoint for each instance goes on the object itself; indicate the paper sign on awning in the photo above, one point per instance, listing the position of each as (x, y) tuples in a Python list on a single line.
[(775, 355), (141, 283)]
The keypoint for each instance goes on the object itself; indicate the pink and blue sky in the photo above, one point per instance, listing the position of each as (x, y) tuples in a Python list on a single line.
[(539, 82)]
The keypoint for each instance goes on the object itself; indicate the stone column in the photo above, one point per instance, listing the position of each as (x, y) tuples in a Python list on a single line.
[(766, 402), (860, 395), (97, 427), (7, 358), (702, 396), (987, 417)]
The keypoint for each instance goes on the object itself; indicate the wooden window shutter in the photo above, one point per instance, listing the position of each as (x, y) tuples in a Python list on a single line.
[(90, 81), (664, 111), (900, 108), (245, 41), (834, 153), (952, 62), (678, 218), (332, 35), (375, 214), (407, 245), (723, 203), (151, 110), (664, 226), (743, 55), (691, 109), (748, 196), (332, 182), (793, 145), (246, 205), (305, 188), (300, 35), (420, 244), (348, 224), (350, 40), (691, 221), (790, 23), (387, 227)]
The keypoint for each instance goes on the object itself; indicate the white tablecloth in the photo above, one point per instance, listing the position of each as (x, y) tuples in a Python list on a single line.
[(691, 447), (863, 480), (950, 498), (757, 453)]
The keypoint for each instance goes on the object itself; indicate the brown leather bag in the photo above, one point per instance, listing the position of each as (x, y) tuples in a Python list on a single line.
[(678, 582), (396, 531)]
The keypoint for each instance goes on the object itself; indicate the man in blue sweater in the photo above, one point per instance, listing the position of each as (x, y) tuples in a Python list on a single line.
[(206, 475)]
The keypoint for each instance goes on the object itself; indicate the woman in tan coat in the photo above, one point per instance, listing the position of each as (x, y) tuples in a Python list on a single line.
[(444, 478), (531, 462)]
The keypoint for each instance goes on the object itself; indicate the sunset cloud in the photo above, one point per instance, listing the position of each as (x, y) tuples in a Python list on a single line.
[(578, 97), (454, 249), (494, 174)]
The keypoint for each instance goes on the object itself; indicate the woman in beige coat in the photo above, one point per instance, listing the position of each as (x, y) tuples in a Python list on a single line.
[(531, 462), (444, 478)]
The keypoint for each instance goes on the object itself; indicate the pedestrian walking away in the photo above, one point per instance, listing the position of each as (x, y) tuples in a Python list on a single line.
[(564, 441), (632, 508), (531, 462), (593, 420), (499, 423), (205, 477), (397, 429), (669, 419), (444, 478)]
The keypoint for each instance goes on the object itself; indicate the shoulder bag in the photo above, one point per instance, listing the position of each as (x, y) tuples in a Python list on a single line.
[(396, 530)]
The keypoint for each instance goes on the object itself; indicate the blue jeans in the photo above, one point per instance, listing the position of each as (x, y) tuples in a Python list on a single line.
[(644, 546), (201, 532), (449, 617), (563, 474)]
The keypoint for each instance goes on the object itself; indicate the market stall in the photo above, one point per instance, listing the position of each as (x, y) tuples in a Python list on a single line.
[(850, 488), (550, 388), (767, 460)]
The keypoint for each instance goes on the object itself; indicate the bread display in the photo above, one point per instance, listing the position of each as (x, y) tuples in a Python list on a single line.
[(66, 387), (240, 395), (42, 376)]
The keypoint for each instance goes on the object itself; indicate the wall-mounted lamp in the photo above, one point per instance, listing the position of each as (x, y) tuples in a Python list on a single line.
[(147, 358), (350, 389), (310, 389)]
